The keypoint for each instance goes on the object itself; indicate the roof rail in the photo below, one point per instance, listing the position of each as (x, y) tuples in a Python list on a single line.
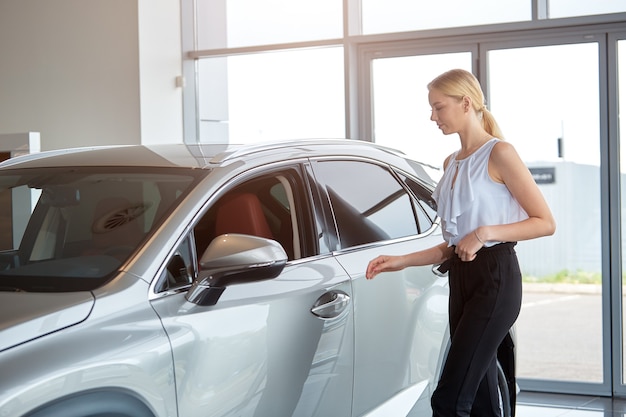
[(246, 149)]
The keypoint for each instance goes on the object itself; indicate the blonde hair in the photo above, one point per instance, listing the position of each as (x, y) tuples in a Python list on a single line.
[(459, 83)]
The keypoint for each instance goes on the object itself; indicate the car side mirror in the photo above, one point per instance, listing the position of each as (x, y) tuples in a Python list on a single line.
[(235, 259)]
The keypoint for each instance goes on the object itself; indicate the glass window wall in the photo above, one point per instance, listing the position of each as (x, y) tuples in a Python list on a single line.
[(381, 16), (237, 23), (546, 101), (278, 95), (569, 8)]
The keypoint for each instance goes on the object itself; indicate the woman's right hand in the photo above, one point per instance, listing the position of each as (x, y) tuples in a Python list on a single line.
[(384, 263)]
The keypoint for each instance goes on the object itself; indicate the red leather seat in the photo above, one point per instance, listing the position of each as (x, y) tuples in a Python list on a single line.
[(242, 213)]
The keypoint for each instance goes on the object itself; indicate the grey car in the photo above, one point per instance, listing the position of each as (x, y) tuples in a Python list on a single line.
[(219, 280)]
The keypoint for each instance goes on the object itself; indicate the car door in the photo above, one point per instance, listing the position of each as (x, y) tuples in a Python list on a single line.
[(277, 347), (400, 317)]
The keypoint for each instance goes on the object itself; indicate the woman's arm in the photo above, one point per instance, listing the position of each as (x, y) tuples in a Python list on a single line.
[(386, 263), (506, 166)]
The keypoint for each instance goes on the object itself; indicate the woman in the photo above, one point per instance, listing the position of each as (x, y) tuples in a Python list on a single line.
[(487, 201)]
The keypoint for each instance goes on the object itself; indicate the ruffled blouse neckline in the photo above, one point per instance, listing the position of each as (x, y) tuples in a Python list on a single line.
[(455, 195)]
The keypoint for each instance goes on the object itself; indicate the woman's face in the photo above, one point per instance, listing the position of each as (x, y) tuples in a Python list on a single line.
[(446, 111)]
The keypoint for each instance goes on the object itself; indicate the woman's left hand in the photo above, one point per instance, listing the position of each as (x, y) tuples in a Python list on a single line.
[(468, 246)]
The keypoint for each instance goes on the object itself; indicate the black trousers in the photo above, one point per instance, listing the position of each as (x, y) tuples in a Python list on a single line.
[(485, 300)]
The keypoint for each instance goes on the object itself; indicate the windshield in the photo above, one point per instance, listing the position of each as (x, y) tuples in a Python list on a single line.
[(69, 229)]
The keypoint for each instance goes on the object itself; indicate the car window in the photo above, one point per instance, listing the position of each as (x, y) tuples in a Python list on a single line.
[(84, 224), (272, 205), (427, 207), (368, 202), (262, 207), (180, 269)]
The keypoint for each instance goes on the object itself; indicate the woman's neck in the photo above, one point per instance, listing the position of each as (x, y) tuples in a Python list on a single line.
[(471, 143)]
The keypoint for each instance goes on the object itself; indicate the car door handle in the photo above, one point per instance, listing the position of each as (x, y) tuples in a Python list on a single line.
[(331, 304)]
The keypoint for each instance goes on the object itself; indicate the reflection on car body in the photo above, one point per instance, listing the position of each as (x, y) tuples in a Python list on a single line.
[(214, 280)]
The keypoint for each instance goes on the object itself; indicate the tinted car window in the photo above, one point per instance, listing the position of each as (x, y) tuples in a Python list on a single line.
[(180, 270), (427, 207), (368, 202)]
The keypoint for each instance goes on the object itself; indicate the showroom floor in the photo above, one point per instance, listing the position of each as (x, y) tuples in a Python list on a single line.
[(557, 405)]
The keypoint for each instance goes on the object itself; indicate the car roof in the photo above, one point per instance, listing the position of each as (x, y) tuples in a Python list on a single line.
[(191, 155)]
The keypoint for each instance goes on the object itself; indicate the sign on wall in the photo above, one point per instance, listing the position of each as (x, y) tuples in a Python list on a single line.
[(544, 175)]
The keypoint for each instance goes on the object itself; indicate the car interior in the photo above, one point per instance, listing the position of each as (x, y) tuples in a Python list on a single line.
[(262, 207)]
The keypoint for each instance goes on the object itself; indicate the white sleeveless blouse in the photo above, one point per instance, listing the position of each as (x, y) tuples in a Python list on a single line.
[(473, 199)]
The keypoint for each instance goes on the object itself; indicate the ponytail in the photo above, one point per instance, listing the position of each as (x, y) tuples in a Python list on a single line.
[(490, 124)]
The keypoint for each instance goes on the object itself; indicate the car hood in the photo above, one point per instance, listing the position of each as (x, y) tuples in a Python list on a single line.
[(26, 316)]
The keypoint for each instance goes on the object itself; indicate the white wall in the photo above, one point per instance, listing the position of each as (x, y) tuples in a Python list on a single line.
[(84, 73), (160, 63)]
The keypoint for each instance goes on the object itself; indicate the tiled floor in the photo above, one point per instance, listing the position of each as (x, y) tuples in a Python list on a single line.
[(556, 405)]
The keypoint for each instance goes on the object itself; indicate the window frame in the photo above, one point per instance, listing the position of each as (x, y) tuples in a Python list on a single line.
[(294, 174)]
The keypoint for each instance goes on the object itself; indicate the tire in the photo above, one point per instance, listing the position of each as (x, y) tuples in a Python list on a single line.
[(504, 396)]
